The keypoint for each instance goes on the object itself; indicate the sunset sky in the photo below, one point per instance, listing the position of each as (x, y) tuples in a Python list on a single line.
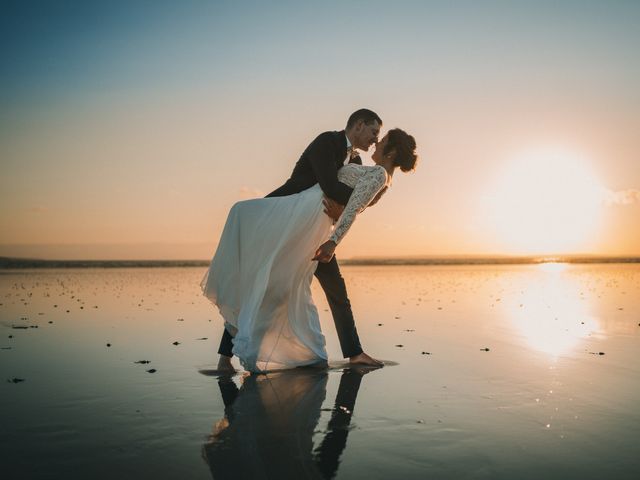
[(128, 129)]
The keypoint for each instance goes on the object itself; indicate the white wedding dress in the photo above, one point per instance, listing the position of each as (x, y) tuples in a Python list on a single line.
[(260, 276)]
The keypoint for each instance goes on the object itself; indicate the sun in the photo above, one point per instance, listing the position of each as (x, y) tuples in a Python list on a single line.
[(545, 202)]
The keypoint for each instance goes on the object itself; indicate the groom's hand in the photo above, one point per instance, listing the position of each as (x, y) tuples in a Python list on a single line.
[(325, 252), (332, 208)]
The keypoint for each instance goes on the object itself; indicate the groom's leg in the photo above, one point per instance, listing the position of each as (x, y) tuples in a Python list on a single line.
[(336, 291), (226, 344)]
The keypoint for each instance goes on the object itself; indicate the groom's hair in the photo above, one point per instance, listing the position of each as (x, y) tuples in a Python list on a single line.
[(363, 114)]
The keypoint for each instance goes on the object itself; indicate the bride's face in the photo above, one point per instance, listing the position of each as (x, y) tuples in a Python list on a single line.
[(378, 153)]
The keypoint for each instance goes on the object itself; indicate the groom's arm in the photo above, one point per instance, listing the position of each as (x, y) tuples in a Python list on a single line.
[(320, 155)]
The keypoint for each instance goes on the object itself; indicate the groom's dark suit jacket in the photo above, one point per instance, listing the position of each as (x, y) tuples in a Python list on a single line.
[(320, 163)]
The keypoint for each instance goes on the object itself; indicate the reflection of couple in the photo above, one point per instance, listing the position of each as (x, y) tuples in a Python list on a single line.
[(268, 425), (261, 273)]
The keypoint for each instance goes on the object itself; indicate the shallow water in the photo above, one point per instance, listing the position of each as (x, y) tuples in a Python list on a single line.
[(541, 402)]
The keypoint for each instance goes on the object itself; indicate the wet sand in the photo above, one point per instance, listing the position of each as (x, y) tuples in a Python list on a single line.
[(506, 371)]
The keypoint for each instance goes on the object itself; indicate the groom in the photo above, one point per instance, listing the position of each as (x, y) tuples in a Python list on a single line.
[(320, 163)]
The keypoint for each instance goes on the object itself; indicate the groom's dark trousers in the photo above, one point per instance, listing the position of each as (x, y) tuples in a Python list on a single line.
[(319, 163)]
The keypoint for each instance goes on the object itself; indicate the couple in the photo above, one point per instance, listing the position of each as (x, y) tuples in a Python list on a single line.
[(260, 276)]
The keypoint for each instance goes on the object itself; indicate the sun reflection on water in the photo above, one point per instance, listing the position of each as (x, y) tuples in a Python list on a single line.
[(551, 312), (553, 267)]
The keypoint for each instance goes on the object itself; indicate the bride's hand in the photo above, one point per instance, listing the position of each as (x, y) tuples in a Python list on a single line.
[(325, 252)]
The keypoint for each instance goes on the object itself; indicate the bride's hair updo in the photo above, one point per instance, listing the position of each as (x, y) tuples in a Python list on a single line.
[(405, 147)]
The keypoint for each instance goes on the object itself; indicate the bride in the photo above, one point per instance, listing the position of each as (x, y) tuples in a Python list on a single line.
[(260, 276)]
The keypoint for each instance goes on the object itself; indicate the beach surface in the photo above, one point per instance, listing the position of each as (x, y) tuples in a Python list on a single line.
[(494, 371)]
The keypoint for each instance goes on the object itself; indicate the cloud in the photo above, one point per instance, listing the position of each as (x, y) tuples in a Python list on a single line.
[(248, 192), (622, 197)]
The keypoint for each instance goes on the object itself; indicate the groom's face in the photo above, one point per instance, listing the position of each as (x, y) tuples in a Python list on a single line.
[(365, 135)]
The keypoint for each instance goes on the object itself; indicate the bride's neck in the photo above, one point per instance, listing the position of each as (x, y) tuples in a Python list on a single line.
[(388, 166)]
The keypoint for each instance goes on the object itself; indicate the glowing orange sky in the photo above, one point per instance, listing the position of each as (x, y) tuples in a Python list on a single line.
[(141, 154)]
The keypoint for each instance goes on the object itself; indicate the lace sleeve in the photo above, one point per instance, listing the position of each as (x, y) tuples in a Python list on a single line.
[(369, 184)]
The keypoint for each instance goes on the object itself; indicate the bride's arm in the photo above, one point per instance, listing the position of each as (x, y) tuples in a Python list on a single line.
[(364, 192)]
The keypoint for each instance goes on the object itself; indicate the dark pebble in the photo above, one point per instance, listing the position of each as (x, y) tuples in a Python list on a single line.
[(33, 326), (152, 370), (176, 343), (50, 321), (181, 319), (16, 380), (399, 345), (484, 349), (380, 324), (143, 361), (426, 353), (203, 338), (19, 327), (5, 348), (10, 336), (108, 344)]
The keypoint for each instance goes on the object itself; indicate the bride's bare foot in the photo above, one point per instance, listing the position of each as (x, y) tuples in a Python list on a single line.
[(224, 364), (364, 359)]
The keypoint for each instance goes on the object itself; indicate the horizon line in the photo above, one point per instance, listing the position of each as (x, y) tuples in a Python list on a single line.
[(7, 263)]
